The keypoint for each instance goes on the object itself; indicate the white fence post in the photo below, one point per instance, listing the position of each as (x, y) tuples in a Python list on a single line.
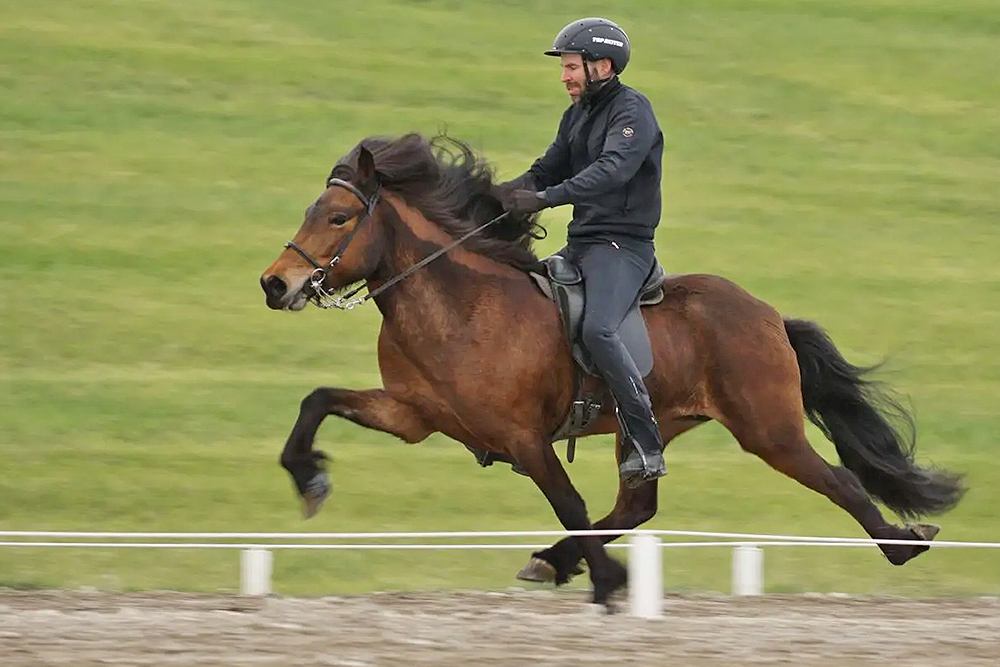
[(645, 575), (255, 572), (748, 570)]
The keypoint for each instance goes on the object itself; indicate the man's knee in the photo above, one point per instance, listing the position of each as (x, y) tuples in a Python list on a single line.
[(597, 336)]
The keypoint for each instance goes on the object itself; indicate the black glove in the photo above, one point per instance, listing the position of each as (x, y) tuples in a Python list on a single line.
[(502, 191), (525, 202)]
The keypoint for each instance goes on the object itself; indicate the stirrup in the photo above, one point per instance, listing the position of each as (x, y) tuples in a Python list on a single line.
[(634, 477)]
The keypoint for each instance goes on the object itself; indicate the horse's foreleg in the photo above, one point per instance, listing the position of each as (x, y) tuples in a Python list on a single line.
[(371, 408), (545, 469)]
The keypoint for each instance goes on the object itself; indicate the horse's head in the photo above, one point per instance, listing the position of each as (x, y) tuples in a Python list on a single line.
[(337, 244)]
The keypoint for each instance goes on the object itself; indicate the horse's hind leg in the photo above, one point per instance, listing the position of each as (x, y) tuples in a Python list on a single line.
[(633, 507), (561, 562), (546, 470), (783, 445)]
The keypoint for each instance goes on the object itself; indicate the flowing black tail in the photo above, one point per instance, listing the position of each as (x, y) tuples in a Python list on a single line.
[(854, 412)]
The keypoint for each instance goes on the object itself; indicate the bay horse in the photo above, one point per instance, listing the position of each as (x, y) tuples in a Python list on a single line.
[(471, 348)]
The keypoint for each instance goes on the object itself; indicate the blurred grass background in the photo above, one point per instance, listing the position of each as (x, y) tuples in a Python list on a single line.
[(838, 159)]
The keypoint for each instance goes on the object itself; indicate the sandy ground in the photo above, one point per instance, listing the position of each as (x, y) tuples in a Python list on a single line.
[(511, 628)]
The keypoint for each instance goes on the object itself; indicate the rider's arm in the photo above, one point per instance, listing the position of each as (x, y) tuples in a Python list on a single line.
[(631, 133), (554, 166)]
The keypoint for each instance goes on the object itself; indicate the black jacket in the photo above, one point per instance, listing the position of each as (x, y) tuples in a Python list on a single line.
[(606, 160)]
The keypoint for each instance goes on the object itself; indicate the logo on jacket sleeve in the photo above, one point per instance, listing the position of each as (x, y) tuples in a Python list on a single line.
[(627, 131)]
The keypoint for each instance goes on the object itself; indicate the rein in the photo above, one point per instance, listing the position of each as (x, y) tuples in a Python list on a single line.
[(323, 298)]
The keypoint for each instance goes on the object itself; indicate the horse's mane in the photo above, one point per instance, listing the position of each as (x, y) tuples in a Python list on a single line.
[(450, 185)]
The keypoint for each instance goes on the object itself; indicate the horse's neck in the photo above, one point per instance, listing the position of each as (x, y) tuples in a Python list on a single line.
[(460, 317), (442, 296)]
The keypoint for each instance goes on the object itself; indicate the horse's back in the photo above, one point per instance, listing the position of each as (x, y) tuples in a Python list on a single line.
[(708, 329), (713, 295)]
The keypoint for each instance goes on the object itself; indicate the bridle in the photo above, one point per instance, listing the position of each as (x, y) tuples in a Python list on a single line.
[(323, 297)]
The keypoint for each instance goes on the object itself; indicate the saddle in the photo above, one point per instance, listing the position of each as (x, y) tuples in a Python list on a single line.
[(562, 282)]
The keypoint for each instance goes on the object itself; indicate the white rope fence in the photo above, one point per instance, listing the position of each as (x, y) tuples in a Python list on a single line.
[(645, 562)]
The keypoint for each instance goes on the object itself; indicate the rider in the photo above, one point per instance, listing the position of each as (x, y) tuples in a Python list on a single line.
[(606, 161)]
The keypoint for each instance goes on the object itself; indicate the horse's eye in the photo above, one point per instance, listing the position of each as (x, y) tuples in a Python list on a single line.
[(338, 219)]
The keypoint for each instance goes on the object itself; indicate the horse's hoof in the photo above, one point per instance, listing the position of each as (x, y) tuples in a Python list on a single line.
[(611, 580), (538, 571), (925, 531), (899, 554), (317, 491)]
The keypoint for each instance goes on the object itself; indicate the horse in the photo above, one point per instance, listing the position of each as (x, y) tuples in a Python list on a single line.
[(470, 347)]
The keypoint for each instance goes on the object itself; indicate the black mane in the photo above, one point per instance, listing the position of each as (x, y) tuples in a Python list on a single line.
[(450, 185)]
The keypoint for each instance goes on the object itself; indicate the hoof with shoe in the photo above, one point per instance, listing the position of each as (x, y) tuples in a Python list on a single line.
[(538, 571), (899, 554), (316, 492), (923, 531), (609, 583)]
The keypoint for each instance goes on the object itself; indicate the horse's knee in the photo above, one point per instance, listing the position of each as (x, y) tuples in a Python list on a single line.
[(317, 400)]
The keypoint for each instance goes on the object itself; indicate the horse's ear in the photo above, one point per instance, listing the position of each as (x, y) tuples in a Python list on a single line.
[(366, 166)]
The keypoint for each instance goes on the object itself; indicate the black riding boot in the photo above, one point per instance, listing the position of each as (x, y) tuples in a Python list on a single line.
[(640, 464)]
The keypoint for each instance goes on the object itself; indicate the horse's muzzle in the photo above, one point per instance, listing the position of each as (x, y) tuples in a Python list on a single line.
[(280, 296), (273, 286)]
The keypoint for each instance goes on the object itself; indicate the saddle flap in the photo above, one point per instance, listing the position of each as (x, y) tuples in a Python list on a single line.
[(635, 336)]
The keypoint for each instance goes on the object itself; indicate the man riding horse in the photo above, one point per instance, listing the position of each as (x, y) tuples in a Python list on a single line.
[(606, 162)]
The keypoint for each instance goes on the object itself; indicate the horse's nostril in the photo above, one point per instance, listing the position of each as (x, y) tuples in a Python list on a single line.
[(273, 286)]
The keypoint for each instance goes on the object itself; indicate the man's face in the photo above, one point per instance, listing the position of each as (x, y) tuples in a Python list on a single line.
[(575, 78)]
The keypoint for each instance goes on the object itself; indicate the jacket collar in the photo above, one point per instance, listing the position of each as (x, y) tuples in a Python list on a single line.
[(605, 91)]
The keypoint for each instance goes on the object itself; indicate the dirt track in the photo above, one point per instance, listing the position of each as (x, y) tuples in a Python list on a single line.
[(513, 628)]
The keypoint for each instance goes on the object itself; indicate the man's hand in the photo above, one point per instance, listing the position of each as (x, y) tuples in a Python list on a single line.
[(525, 202), (503, 191)]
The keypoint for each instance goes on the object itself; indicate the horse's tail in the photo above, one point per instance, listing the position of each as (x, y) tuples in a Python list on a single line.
[(854, 413)]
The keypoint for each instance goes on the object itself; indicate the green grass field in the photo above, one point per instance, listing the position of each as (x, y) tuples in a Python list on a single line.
[(839, 159)]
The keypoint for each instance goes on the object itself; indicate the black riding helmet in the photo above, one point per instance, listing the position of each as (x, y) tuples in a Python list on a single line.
[(594, 39)]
